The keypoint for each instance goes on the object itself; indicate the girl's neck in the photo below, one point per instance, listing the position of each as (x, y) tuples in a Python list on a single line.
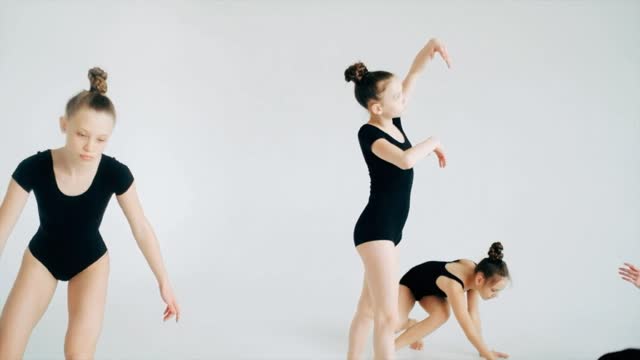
[(380, 120), (469, 278)]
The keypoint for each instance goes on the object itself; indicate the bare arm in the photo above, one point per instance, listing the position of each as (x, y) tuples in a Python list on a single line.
[(143, 233), (425, 55), (148, 244), (406, 159), (473, 298), (10, 210), (474, 313), (456, 297)]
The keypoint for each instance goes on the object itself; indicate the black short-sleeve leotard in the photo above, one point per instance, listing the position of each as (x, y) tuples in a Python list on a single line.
[(68, 239), (385, 214)]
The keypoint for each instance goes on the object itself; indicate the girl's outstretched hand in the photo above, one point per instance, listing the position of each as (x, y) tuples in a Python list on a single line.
[(433, 47), (166, 292), (630, 273)]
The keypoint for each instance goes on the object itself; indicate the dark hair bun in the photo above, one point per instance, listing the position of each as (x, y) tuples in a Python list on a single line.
[(495, 252), (98, 80), (355, 72)]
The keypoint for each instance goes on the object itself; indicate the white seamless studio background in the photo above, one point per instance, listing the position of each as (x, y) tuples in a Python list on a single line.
[(235, 119)]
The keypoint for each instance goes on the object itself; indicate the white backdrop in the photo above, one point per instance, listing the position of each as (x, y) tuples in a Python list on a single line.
[(241, 132)]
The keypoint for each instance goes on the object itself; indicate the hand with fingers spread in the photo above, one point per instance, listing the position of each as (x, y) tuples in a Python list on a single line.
[(630, 273), (166, 292)]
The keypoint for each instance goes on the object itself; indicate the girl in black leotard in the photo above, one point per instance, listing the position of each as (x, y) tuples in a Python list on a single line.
[(72, 186), (390, 158), (439, 285)]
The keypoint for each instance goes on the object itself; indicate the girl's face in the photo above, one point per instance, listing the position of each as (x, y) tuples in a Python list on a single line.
[(490, 288), (391, 103), (87, 133)]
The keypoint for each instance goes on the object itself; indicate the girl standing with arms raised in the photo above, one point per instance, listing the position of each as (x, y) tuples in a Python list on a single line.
[(390, 158)]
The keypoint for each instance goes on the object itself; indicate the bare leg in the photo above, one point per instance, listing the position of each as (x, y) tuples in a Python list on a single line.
[(28, 300), (406, 301), (360, 325), (439, 312), (363, 320), (380, 263), (405, 305), (87, 294)]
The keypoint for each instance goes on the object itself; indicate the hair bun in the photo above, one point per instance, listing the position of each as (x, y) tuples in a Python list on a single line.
[(355, 72), (495, 252), (98, 80)]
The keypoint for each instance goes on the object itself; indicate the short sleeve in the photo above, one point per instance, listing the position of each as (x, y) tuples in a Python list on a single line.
[(367, 135), (26, 173), (122, 178)]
